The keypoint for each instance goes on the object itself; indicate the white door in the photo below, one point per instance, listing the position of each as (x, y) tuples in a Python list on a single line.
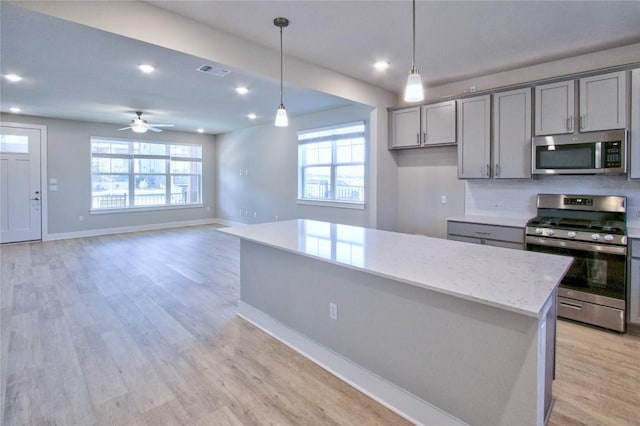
[(20, 192)]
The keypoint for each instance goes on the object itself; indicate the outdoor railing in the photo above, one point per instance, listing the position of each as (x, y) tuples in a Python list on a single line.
[(111, 201), (343, 192)]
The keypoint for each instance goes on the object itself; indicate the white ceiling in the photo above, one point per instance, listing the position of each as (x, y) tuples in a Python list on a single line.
[(72, 71)]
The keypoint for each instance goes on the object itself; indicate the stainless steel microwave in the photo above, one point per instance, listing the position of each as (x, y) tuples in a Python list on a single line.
[(581, 153)]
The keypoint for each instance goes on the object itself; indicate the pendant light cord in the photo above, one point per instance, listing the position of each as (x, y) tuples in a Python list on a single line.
[(281, 66), (413, 45)]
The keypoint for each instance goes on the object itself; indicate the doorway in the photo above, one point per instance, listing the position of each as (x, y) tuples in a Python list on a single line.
[(21, 195)]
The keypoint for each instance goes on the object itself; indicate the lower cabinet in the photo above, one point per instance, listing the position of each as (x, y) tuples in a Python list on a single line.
[(491, 235), (633, 304)]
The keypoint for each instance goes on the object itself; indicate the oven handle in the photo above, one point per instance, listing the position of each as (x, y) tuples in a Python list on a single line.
[(598, 248)]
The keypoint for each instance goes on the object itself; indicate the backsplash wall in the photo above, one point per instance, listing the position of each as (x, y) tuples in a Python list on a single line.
[(517, 198)]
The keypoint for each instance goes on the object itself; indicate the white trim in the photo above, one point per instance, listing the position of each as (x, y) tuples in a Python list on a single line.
[(126, 229), (226, 222), (146, 208), (387, 394), (44, 178), (331, 203)]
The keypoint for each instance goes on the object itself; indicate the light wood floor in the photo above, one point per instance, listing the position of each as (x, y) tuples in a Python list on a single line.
[(139, 329)]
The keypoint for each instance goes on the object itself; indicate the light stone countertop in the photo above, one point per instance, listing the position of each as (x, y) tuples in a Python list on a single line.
[(514, 280), (518, 222)]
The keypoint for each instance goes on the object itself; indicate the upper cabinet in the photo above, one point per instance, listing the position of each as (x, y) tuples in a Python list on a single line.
[(603, 102), (474, 130), (422, 126), (602, 105), (439, 123), (511, 144), (635, 126), (405, 128), (554, 108)]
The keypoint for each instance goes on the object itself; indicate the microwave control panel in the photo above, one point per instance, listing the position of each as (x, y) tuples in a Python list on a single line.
[(611, 155)]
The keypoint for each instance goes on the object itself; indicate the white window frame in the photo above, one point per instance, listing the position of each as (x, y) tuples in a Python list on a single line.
[(131, 156), (332, 134)]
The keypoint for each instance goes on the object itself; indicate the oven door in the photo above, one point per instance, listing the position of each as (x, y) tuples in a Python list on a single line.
[(598, 269)]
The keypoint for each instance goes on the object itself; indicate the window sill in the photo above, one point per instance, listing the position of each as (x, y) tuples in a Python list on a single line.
[(331, 203), (145, 209)]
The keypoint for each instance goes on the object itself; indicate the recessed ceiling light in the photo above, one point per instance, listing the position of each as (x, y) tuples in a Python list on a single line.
[(14, 78), (200, 130), (242, 90), (146, 68), (252, 116), (381, 65), (15, 110)]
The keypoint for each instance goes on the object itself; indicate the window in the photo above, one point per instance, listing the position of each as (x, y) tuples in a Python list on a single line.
[(332, 163), (130, 174)]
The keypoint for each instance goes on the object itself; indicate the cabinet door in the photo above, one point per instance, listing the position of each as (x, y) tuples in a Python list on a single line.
[(634, 292), (474, 122), (405, 125), (603, 102), (512, 134), (439, 123), (554, 108), (634, 148)]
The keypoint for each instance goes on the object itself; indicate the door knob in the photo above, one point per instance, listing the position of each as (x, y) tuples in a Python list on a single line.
[(35, 199)]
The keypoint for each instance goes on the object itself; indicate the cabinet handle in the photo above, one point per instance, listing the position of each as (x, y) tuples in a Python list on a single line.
[(582, 120), (424, 137), (483, 233), (570, 123), (497, 170), (488, 170), (418, 138)]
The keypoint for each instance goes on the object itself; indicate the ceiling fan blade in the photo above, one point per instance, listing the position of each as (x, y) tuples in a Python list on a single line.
[(125, 128), (153, 129), (161, 125)]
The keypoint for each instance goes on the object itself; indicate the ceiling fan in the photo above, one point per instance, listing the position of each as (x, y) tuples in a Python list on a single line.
[(138, 125)]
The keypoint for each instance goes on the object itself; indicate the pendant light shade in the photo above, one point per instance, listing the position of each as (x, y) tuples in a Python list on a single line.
[(281, 115), (414, 91)]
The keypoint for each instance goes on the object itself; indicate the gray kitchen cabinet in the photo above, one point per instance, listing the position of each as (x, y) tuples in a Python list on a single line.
[(405, 128), (634, 148), (474, 131), (491, 235), (554, 108), (439, 123), (426, 125), (634, 285), (602, 105), (511, 145), (603, 102)]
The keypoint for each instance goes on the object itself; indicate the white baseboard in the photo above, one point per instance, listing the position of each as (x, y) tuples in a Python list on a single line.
[(126, 229), (387, 394), (226, 222)]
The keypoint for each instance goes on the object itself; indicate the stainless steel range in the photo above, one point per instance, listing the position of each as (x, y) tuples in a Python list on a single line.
[(591, 229)]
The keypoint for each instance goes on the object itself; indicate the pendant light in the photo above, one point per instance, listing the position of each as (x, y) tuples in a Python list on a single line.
[(413, 91), (281, 115)]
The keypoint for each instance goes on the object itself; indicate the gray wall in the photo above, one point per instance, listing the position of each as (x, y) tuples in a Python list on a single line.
[(269, 154), (69, 160)]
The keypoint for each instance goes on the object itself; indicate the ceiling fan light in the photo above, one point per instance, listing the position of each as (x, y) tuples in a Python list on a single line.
[(414, 91), (139, 127), (281, 117)]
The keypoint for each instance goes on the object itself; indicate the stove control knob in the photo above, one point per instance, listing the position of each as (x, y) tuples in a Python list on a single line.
[(608, 237), (595, 236), (550, 232), (571, 234), (539, 231)]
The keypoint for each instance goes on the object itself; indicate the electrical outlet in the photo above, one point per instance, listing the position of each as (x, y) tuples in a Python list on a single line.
[(81, 218), (255, 214), (333, 311), (443, 199)]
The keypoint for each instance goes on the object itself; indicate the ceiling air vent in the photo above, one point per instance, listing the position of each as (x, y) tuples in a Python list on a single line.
[(212, 69)]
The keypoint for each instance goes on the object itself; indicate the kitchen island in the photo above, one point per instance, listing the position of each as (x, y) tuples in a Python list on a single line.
[(442, 332)]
